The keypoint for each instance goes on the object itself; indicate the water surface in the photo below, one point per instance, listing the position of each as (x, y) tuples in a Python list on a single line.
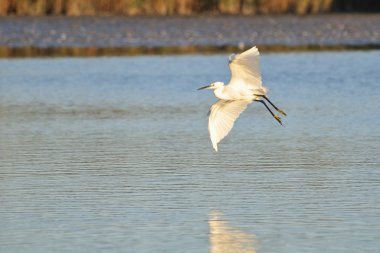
[(113, 155)]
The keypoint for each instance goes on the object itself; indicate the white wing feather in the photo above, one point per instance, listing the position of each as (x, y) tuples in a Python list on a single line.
[(245, 71), (222, 116)]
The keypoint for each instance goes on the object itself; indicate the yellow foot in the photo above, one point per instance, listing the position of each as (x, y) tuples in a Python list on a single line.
[(278, 119), (281, 111)]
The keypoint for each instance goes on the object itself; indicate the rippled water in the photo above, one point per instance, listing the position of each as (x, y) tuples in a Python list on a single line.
[(113, 155)]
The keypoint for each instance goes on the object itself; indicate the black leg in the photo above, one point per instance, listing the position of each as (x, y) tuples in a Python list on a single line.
[(275, 107), (274, 116)]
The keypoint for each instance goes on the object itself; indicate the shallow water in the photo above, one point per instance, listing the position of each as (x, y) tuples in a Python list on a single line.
[(113, 155), (106, 32)]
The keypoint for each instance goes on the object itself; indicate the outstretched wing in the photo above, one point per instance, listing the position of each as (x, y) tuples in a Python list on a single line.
[(222, 116), (245, 71)]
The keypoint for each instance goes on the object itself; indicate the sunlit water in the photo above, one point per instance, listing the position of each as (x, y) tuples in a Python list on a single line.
[(113, 155)]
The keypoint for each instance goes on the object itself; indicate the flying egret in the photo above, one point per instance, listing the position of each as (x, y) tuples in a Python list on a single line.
[(244, 87)]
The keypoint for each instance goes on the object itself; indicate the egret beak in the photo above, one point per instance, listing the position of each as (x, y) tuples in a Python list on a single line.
[(204, 87)]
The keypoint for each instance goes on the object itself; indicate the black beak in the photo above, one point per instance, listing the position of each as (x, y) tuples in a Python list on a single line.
[(204, 87)]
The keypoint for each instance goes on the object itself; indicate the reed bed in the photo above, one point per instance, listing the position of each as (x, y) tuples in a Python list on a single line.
[(180, 7)]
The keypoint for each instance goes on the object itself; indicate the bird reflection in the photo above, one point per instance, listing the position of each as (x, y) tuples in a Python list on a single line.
[(227, 239)]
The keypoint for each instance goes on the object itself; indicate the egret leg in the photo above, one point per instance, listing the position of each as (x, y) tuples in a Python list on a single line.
[(274, 116), (275, 107)]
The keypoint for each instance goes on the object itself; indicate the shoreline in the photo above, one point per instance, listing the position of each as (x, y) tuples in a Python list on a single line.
[(115, 35), (28, 52)]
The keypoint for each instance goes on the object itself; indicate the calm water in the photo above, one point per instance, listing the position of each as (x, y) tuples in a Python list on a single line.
[(113, 155)]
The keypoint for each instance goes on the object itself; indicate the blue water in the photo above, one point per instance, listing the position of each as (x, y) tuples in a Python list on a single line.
[(113, 155)]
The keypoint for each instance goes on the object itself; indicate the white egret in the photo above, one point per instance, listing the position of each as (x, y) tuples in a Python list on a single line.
[(244, 87)]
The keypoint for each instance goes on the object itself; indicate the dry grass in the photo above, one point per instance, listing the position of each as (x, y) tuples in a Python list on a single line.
[(179, 7), (7, 52)]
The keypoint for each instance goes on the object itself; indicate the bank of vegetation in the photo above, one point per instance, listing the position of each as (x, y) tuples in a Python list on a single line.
[(181, 7)]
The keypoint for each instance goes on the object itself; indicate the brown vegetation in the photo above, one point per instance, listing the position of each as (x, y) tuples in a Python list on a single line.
[(6, 52), (180, 7)]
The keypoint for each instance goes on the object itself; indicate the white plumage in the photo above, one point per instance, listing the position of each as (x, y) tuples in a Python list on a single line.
[(222, 116), (245, 71), (244, 87)]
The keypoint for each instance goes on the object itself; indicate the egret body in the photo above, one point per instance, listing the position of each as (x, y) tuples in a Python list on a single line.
[(244, 87)]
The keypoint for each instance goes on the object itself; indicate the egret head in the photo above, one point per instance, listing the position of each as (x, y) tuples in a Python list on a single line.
[(213, 86)]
